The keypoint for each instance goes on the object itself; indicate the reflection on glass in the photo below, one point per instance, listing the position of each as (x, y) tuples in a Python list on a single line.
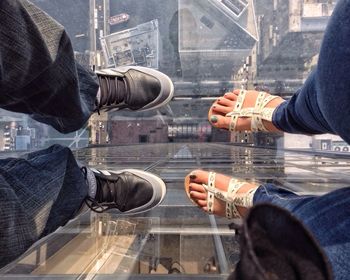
[(207, 48)]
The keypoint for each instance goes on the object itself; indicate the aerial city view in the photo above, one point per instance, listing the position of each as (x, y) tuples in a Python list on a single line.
[(207, 47), (183, 187)]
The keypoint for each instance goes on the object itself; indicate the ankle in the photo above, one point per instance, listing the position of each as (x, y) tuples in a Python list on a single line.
[(98, 96), (112, 92), (90, 180), (246, 192)]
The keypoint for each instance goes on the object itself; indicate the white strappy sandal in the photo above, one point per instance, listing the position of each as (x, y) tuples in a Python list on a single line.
[(257, 113), (231, 197)]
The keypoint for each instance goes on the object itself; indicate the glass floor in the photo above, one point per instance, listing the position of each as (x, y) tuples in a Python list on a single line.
[(176, 239)]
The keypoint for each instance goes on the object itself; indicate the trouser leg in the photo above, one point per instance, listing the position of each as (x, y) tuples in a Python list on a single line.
[(322, 104), (38, 73), (327, 217), (37, 195)]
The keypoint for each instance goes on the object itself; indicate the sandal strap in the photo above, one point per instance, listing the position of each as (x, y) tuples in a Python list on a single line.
[(257, 113), (246, 199), (231, 209), (261, 113), (231, 197), (235, 114), (211, 192)]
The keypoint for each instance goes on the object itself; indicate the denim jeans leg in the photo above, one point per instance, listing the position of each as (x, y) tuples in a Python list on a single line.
[(327, 217), (322, 104), (38, 73), (38, 194)]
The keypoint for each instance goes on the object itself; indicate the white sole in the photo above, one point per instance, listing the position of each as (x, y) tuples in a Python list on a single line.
[(151, 71), (171, 94), (154, 180)]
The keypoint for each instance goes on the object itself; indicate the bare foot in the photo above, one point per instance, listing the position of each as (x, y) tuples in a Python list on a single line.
[(198, 194), (226, 104)]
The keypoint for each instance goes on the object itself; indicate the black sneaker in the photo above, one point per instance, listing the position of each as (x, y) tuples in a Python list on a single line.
[(130, 191), (133, 87)]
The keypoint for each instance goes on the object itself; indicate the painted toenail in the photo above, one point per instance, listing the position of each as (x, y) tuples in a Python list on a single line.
[(214, 119), (193, 176)]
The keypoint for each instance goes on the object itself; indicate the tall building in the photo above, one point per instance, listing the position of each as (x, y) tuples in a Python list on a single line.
[(134, 46), (290, 36), (216, 36)]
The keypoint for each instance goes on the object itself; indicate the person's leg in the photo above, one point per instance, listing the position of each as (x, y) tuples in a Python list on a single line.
[(39, 76), (38, 73), (37, 195), (44, 190), (322, 103), (326, 217), (320, 106)]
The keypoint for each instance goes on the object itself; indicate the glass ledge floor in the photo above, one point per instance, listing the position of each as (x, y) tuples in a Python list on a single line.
[(176, 239)]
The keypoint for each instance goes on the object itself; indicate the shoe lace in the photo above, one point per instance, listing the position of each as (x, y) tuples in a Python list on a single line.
[(95, 204), (112, 93)]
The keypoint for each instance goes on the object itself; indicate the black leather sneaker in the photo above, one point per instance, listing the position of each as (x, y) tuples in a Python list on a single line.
[(130, 191), (133, 87)]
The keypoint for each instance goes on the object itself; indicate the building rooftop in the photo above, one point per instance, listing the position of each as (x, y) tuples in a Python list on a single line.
[(207, 26), (135, 46)]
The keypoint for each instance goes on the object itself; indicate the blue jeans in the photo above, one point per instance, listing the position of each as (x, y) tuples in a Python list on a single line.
[(38, 194), (38, 73), (323, 102), (39, 77), (322, 106)]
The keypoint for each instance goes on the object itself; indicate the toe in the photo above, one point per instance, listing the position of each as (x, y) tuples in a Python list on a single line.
[(232, 95), (226, 102), (220, 121), (198, 176), (221, 109), (198, 195), (196, 187), (202, 203)]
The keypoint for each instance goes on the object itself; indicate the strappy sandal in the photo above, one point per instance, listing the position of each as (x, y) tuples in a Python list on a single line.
[(257, 113), (231, 198)]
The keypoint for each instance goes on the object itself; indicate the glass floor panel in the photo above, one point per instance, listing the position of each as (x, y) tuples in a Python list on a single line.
[(176, 239)]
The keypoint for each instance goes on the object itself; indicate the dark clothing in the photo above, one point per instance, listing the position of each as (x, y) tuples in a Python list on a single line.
[(275, 245), (38, 76), (38, 73), (38, 194)]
